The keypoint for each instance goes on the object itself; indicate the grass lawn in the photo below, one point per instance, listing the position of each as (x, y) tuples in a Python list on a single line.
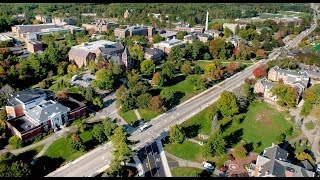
[(147, 114), (199, 122), (309, 125), (185, 172), (187, 150), (129, 116), (221, 21), (262, 124)]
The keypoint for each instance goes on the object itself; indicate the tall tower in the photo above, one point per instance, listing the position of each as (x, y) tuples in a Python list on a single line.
[(207, 21)]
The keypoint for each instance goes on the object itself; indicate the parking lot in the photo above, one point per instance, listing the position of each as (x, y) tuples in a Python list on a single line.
[(83, 80)]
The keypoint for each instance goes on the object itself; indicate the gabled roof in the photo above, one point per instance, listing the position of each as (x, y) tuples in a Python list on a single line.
[(267, 84)]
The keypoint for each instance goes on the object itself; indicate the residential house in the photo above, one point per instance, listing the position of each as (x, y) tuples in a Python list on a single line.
[(110, 51), (31, 112), (153, 54), (213, 33), (148, 31), (273, 163), (166, 46), (100, 25)]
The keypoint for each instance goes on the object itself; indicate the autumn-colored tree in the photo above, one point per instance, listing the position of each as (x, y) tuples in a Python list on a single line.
[(232, 67), (260, 54), (209, 70), (304, 156), (218, 73), (286, 95), (227, 104), (72, 69), (186, 68), (157, 79), (217, 26), (240, 151), (156, 104), (60, 95), (259, 72)]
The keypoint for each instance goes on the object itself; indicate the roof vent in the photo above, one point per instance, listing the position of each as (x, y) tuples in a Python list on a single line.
[(57, 108), (46, 112)]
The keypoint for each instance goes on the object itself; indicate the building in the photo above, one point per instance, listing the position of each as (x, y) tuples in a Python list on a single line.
[(263, 89), (153, 54), (110, 51), (233, 26), (235, 40), (169, 35), (22, 30), (34, 46), (4, 37), (31, 112), (64, 21), (298, 79), (89, 14), (273, 163), (37, 36), (126, 14), (190, 38), (43, 18), (194, 36), (166, 46), (73, 29), (20, 17), (190, 29), (148, 31), (213, 33), (100, 25), (204, 37)]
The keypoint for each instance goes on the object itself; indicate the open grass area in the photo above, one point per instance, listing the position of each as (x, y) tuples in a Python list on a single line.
[(129, 116), (282, 14), (185, 172), (187, 150), (221, 21), (309, 125), (262, 124), (147, 114)]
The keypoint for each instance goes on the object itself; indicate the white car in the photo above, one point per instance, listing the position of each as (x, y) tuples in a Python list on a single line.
[(208, 165), (200, 143), (318, 168)]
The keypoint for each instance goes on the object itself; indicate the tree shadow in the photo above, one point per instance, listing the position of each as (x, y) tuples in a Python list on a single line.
[(45, 165), (155, 92), (249, 147), (177, 97), (108, 103), (175, 80), (234, 137), (91, 144), (225, 126), (26, 156), (204, 173), (192, 131)]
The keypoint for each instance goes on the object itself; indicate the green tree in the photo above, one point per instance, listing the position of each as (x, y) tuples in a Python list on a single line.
[(214, 146), (98, 133), (197, 81), (227, 104), (240, 151), (286, 95), (136, 52), (175, 56), (15, 142), (206, 56), (168, 96), (109, 127), (209, 70), (147, 66), (197, 69), (72, 69), (92, 66), (157, 79), (180, 35), (167, 71), (98, 101), (104, 79), (157, 38), (186, 68), (62, 68), (76, 143), (122, 152), (143, 100), (227, 32), (177, 134)]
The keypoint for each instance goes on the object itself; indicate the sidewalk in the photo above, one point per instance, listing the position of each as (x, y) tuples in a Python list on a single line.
[(137, 114), (164, 159)]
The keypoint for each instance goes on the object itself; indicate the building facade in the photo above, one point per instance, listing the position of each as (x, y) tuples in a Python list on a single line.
[(134, 31), (100, 25), (166, 46)]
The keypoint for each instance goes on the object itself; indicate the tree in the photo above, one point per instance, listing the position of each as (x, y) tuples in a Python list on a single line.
[(147, 66), (167, 71), (180, 35), (109, 127), (143, 100), (227, 104), (214, 146), (219, 49), (122, 151), (168, 96), (197, 69), (217, 26), (259, 72), (304, 156), (240, 151), (92, 66), (15, 142), (286, 95), (232, 67), (175, 56), (62, 68), (98, 133), (76, 143), (177, 134), (186, 68), (260, 54), (136, 52), (196, 81), (157, 38), (98, 101), (104, 79), (72, 69), (227, 32), (280, 138), (209, 70), (206, 56), (157, 79), (156, 104)]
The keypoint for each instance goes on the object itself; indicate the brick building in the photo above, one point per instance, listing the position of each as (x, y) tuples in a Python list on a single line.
[(148, 31), (100, 25)]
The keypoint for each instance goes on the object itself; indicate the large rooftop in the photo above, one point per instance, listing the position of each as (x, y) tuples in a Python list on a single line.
[(27, 95), (22, 123), (92, 46)]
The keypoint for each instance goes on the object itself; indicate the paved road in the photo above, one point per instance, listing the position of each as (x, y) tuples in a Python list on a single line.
[(91, 163)]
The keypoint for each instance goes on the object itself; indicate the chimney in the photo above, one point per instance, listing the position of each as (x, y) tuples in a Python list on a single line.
[(207, 21)]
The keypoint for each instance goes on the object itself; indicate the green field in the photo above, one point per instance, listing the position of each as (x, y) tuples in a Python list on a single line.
[(187, 150), (310, 125), (185, 172), (147, 114), (282, 14), (129, 116), (221, 21)]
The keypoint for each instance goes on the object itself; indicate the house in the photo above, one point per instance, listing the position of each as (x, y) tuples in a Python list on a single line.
[(43, 18), (100, 25), (32, 112), (110, 51), (204, 37), (148, 31), (273, 163), (233, 26), (190, 38), (213, 33), (166, 46), (235, 40), (263, 88), (153, 54)]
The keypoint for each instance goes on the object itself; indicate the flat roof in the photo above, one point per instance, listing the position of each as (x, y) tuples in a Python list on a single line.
[(92, 46), (4, 37), (22, 123)]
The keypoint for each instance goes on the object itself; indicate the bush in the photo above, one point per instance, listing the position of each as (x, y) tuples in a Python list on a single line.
[(309, 125), (240, 151), (281, 138), (15, 142)]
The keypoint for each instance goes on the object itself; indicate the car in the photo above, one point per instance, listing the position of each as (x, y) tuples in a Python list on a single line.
[(143, 128), (208, 165), (200, 143), (318, 168)]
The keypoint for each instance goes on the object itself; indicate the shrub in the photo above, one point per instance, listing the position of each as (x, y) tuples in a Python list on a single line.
[(15, 142)]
